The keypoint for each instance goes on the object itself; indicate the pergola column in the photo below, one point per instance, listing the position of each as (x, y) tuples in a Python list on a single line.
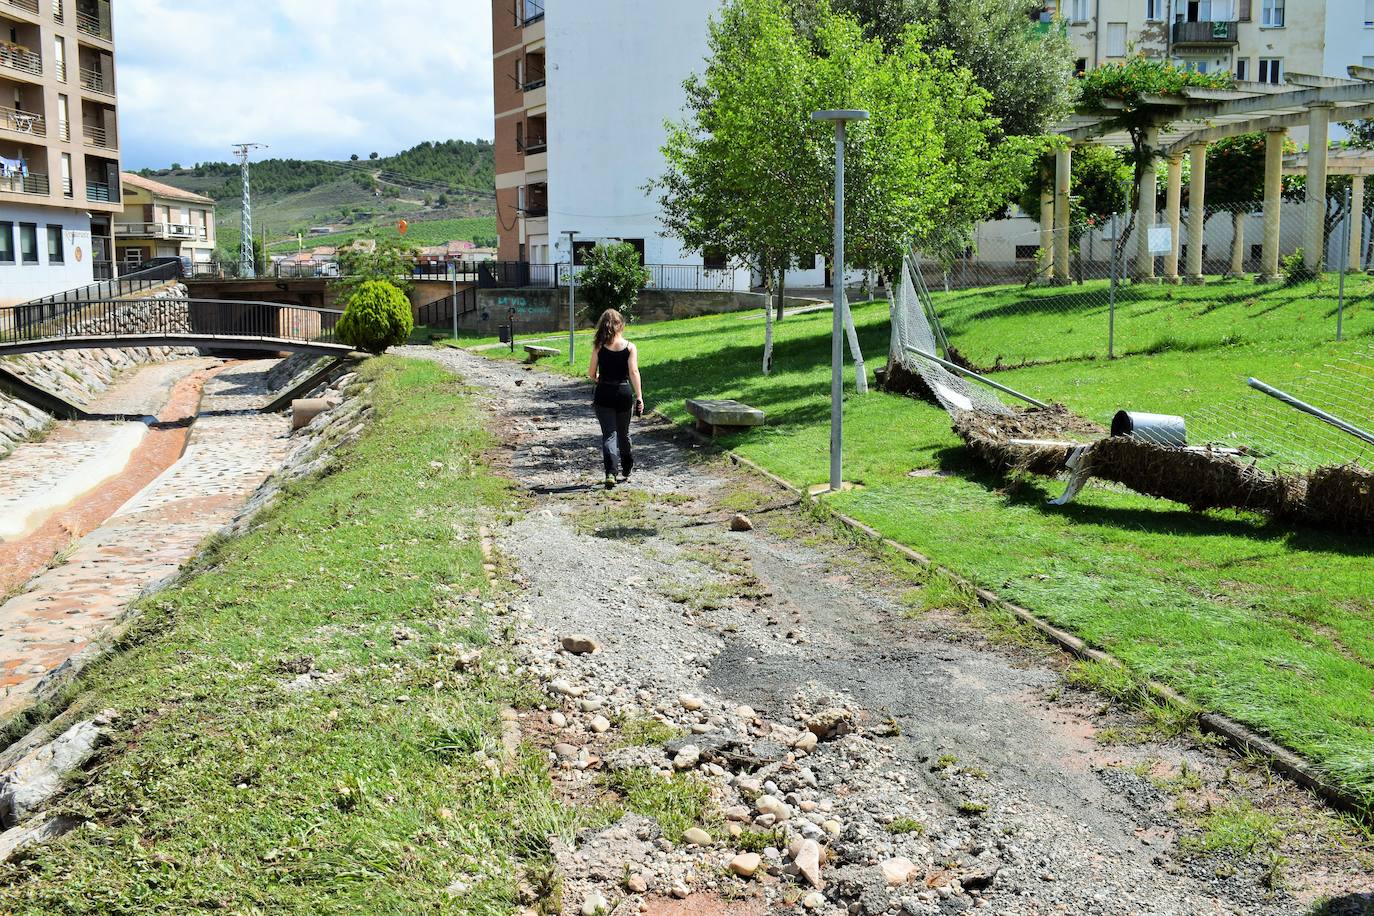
[(1318, 131), (1197, 214), (1173, 209), (1356, 218), (1063, 168), (1273, 201), (1047, 231), (1145, 217)]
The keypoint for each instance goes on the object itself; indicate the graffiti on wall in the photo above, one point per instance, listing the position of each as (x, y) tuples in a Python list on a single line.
[(523, 307)]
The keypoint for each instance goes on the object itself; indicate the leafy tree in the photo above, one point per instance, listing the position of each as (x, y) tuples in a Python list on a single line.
[(376, 317), (390, 261), (1101, 179), (611, 279), (373, 156), (353, 158), (750, 174), (1028, 73)]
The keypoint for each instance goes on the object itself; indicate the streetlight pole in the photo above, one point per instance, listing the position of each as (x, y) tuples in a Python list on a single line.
[(840, 118), (572, 294)]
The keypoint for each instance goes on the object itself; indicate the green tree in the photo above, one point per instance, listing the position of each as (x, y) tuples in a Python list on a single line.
[(376, 317), (611, 279), (1101, 181), (1028, 72), (389, 261)]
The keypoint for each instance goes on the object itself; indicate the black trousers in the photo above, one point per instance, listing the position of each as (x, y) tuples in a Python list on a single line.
[(615, 439)]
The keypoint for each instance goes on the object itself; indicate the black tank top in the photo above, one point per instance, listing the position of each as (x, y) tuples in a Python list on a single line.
[(613, 379)]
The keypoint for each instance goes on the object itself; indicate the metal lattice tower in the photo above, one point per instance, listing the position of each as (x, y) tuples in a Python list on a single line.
[(247, 264)]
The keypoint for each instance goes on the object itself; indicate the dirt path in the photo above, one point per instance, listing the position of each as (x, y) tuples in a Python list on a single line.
[(953, 772)]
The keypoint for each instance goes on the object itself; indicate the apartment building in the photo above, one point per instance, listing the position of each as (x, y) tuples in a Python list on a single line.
[(161, 221), (583, 89), (1254, 40), (59, 145)]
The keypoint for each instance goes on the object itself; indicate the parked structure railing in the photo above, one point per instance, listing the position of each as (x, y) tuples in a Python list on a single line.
[(674, 277), (56, 325), (294, 269), (23, 122), (21, 59), (111, 287), (441, 313)]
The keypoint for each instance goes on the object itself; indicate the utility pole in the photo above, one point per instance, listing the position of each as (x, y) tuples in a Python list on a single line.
[(572, 294), (247, 263), (837, 333)]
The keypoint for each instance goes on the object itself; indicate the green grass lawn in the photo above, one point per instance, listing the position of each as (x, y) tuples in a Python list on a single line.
[(365, 791), (1271, 625), (420, 233)]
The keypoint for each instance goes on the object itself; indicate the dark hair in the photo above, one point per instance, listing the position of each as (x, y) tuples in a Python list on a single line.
[(608, 327)]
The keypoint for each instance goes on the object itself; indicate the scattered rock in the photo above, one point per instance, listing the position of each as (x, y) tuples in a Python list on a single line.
[(595, 904), (680, 890), (741, 522), (558, 720), (577, 644), (831, 724), (898, 871), (600, 725), (636, 884), (695, 836), (814, 900), (808, 862), (746, 864), (687, 757), (565, 750), (566, 688), (806, 743), (690, 703)]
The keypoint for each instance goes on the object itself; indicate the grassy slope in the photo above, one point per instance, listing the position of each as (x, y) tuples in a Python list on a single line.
[(420, 232), (225, 790), (1272, 626)]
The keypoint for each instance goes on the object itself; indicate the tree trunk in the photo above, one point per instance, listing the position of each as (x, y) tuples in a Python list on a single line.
[(1237, 243), (768, 326), (782, 288)]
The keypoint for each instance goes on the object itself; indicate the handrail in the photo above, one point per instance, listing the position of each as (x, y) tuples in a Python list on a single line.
[(91, 24), (94, 80), (134, 282), (32, 183), (28, 6), (162, 231), (21, 59), (24, 122), (97, 136)]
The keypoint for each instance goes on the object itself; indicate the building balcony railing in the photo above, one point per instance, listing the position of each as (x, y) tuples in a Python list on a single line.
[(28, 6), (68, 189), (59, 15), (98, 136), (93, 25), (179, 231), (34, 183), (94, 80), (1205, 33), (535, 81), (533, 145), (60, 69), (99, 193), (23, 122), (536, 211), (64, 130), (14, 57)]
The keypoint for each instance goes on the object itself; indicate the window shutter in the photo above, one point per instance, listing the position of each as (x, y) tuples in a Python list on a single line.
[(1245, 13)]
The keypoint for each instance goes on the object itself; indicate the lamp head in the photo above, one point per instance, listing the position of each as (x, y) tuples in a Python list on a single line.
[(843, 114)]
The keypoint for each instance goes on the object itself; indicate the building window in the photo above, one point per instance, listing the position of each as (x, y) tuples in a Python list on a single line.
[(1271, 70), (1027, 252), (6, 243), (1242, 68), (56, 254), (1154, 10), (1245, 13), (1271, 13), (1256, 252), (1078, 10), (28, 243), (1080, 66), (1116, 39), (713, 258), (638, 246)]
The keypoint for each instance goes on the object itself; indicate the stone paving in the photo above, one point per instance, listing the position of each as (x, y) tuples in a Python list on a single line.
[(66, 609)]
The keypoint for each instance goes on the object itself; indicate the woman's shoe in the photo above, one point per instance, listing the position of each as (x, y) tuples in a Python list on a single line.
[(610, 481)]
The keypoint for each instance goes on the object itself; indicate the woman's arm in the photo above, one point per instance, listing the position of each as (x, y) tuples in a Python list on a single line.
[(635, 380), (592, 368)]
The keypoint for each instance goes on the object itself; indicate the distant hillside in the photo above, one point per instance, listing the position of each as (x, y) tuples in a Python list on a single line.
[(449, 184)]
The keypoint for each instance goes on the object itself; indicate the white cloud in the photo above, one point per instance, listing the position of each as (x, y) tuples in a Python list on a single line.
[(311, 78)]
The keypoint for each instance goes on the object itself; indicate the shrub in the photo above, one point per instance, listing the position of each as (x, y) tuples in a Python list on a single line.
[(377, 316), (1295, 270), (612, 279)]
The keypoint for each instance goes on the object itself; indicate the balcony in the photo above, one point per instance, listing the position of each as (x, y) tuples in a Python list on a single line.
[(98, 137), (162, 231), (93, 80), (28, 6), (1205, 33), (532, 145), (34, 183), (99, 193), (17, 57), (19, 121), (93, 25), (58, 13), (534, 81)]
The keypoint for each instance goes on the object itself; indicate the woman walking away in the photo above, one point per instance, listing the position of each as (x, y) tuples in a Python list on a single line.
[(615, 369)]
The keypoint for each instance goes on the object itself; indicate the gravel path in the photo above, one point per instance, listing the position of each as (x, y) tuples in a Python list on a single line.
[(879, 761)]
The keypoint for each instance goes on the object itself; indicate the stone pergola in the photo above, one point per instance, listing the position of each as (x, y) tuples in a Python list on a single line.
[(1357, 164), (1184, 123)]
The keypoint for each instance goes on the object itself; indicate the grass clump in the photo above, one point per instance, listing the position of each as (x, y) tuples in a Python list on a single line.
[(372, 789), (906, 825), (972, 808), (1235, 828), (644, 731), (676, 802), (758, 840)]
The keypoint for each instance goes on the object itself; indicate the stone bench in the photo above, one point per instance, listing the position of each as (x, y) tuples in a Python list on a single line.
[(717, 417), (535, 353)]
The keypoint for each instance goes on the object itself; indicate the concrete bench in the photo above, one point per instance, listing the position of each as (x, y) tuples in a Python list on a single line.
[(535, 353), (717, 417)]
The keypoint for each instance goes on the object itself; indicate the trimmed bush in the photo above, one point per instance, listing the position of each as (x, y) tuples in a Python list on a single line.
[(612, 279), (377, 316)]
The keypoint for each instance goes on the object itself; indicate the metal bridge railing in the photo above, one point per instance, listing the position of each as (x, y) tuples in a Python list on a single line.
[(115, 287), (133, 319)]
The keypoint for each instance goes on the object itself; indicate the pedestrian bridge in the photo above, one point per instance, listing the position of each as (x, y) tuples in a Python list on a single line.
[(211, 324)]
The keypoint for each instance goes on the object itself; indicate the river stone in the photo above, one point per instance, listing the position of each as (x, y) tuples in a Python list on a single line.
[(746, 864)]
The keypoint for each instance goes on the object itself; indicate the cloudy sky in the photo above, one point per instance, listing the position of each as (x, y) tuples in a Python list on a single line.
[(311, 78)]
